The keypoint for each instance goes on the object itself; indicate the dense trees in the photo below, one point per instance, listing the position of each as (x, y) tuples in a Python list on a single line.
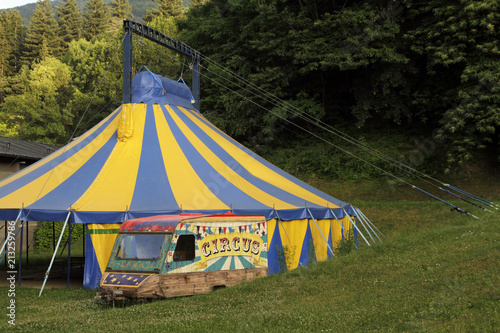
[(428, 66), (42, 40), (97, 18), (167, 8), (70, 21), (422, 68)]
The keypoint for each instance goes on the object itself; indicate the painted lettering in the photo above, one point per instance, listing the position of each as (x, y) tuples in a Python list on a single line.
[(224, 245), (204, 249), (214, 246), (246, 244), (255, 247), (235, 243)]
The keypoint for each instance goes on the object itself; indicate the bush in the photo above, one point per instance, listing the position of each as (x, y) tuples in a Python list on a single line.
[(44, 234)]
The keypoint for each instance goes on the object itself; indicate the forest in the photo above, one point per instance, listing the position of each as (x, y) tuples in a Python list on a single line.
[(419, 80)]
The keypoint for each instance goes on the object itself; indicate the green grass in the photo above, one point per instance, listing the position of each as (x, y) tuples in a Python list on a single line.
[(438, 271)]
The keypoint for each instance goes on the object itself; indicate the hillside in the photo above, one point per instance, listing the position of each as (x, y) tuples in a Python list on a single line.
[(139, 8)]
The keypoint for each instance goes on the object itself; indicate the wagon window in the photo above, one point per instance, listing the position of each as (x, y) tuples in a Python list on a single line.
[(185, 248), (140, 246)]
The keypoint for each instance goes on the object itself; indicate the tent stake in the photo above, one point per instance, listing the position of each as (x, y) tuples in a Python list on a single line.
[(55, 252)]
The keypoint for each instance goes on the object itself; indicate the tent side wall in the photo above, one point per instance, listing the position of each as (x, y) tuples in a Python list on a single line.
[(292, 244)]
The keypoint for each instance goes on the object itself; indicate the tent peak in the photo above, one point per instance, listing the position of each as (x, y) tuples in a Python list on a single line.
[(151, 88)]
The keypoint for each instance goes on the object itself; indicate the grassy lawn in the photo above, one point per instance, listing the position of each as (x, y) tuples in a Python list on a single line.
[(438, 271)]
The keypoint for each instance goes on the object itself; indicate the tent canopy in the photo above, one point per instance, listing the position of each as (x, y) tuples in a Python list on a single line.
[(156, 156)]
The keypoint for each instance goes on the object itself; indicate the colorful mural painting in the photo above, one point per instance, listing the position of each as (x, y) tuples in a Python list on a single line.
[(150, 254)]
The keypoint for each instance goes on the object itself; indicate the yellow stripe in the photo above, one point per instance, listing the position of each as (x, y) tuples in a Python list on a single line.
[(337, 230), (255, 167), (103, 243), (225, 171), (114, 186), (189, 190), (39, 187), (56, 154), (293, 237), (320, 246)]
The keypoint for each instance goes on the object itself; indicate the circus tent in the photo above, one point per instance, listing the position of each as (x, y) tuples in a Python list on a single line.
[(159, 155)]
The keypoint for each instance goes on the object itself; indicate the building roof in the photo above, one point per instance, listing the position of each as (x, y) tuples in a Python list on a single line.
[(24, 149)]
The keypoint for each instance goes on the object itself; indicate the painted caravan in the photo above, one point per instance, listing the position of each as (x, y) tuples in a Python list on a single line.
[(187, 254)]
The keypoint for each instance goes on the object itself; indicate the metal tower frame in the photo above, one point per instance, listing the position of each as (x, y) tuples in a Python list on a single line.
[(130, 27)]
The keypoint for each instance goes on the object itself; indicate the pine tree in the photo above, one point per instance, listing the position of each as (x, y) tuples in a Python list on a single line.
[(15, 34), (42, 40), (168, 8), (96, 18), (5, 51), (197, 2), (121, 10), (70, 21)]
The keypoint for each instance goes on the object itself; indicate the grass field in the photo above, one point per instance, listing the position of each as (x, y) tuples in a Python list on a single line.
[(437, 271)]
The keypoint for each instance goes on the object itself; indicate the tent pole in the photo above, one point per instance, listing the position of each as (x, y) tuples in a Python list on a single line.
[(361, 221), (69, 254), (53, 235), (364, 218), (55, 252), (341, 226), (355, 226), (279, 220), (370, 222), (6, 238), (317, 226), (20, 255), (84, 236), (27, 241)]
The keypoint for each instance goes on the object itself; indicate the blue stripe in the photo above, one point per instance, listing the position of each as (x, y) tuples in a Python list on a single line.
[(245, 263), (66, 193), (307, 248), (217, 266), (152, 189), (218, 185), (273, 167), (240, 169), (36, 172)]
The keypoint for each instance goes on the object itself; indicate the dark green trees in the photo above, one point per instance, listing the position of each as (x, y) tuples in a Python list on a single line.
[(121, 10), (42, 40), (167, 8), (70, 21), (96, 18)]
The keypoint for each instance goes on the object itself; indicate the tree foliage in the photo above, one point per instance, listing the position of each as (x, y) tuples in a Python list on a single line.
[(70, 21), (42, 40), (37, 114), (420, 68), (167, 8), (96, 18)]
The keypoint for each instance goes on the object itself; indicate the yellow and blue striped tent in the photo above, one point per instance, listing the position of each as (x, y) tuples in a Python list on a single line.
[(158, 155)]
